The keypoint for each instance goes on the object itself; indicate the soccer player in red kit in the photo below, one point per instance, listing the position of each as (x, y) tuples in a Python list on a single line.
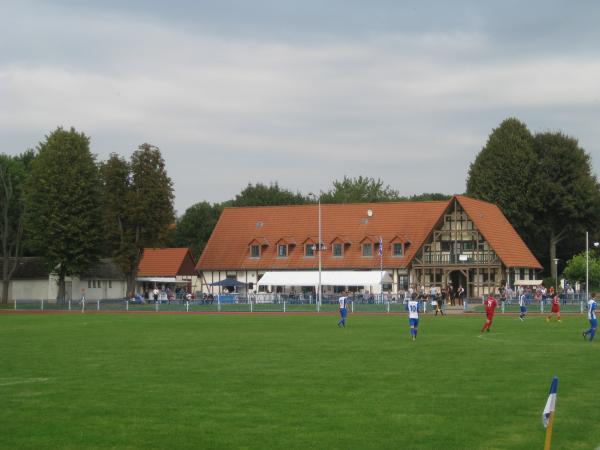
[(490, 306), (555, 308)]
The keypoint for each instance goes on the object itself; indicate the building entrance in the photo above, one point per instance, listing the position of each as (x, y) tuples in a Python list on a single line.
[(457, 279)]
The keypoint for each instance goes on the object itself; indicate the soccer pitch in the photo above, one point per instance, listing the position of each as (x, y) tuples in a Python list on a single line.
[(128, 381)]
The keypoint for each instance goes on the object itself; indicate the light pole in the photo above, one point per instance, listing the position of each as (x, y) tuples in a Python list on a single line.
[(587, 263), (320, 246), (556, 271)]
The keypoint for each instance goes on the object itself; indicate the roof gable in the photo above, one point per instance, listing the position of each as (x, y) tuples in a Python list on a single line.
[(499, 233)]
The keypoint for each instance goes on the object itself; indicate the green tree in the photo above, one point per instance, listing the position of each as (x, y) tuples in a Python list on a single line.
[(567, 195), (263, 195), (13, 173), (542, 183), (429, 196), (359, 190), (138, 206), (196, 225), (63, 205), (503, 171), (576, 268)]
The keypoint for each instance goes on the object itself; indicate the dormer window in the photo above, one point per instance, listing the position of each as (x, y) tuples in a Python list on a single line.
[(338, 250), (255, 251), (309, 250), (282, 251), (367, 249), (397, 249)]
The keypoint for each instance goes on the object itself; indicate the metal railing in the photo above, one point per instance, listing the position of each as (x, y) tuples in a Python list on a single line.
[(386, 303)]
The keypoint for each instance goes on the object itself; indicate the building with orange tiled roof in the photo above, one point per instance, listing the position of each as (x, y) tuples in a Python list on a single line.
[(166, 268), (459, 242)]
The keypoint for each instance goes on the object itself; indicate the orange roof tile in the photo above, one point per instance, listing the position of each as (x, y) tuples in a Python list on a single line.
[(228, 248), (410, 222), (499, 233), (166, 262)]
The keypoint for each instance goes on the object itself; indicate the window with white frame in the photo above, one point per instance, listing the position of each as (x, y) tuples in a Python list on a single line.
[(309, 250), (367, 249), (282, 250), (255, 251), (338, 249), (397, 249)]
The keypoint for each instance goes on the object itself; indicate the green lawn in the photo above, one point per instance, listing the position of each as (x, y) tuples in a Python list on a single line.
[(292, 382)]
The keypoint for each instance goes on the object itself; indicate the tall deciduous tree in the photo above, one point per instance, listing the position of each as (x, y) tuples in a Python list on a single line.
[(567, 193), (503, 171), (359, 190), (63, 205), (13, 173), (542, 183), (138, 206)]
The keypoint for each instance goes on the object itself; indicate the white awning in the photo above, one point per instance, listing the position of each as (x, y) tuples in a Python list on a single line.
[(157, 279), (528, 282), (328, 278)]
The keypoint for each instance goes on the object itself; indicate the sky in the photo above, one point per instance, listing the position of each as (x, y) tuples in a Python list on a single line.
[(299, 93)]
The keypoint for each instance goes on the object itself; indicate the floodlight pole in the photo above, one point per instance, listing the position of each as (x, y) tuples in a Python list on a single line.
[(556, 270), (320, 249), (587, 265), (320, 245)]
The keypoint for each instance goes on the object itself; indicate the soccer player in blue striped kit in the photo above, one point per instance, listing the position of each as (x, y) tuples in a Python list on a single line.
[(591, 307), (413, 315), (343, 300)]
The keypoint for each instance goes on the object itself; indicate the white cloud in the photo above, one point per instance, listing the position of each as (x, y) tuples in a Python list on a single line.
[(302, 114)]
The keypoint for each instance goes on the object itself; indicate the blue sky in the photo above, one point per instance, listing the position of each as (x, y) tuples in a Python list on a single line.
[(299, 93)]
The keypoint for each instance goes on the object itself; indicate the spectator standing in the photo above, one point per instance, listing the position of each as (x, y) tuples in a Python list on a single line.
[(439, 305)]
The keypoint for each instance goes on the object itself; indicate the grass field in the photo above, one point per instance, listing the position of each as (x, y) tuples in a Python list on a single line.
[(293, 382)]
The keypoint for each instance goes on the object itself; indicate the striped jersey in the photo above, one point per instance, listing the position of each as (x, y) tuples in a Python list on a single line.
[(591, 309), (522, 300), (413, 309), (343, 302)]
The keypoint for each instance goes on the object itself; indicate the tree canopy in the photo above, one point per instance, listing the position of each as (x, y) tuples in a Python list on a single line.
[(263, 195), (503, 171), (14, 171), (196, 225), (137, 204), (359, 190), (62, 204), (576, 268), (542, 183)]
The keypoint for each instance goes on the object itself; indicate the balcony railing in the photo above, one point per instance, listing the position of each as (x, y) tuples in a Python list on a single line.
[(464, 258)]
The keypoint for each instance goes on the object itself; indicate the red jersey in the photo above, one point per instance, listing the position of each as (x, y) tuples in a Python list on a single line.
[(555, 300), (490, 305)]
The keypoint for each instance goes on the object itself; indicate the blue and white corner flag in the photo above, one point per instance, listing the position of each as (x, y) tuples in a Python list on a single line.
[(380, 246), (551, 402)]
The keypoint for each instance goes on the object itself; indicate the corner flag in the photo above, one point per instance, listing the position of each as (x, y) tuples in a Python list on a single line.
[(550, 403), (548, 414), (380, 246)]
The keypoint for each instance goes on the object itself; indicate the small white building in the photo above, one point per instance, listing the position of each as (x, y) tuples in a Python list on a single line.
[(32, 280)]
